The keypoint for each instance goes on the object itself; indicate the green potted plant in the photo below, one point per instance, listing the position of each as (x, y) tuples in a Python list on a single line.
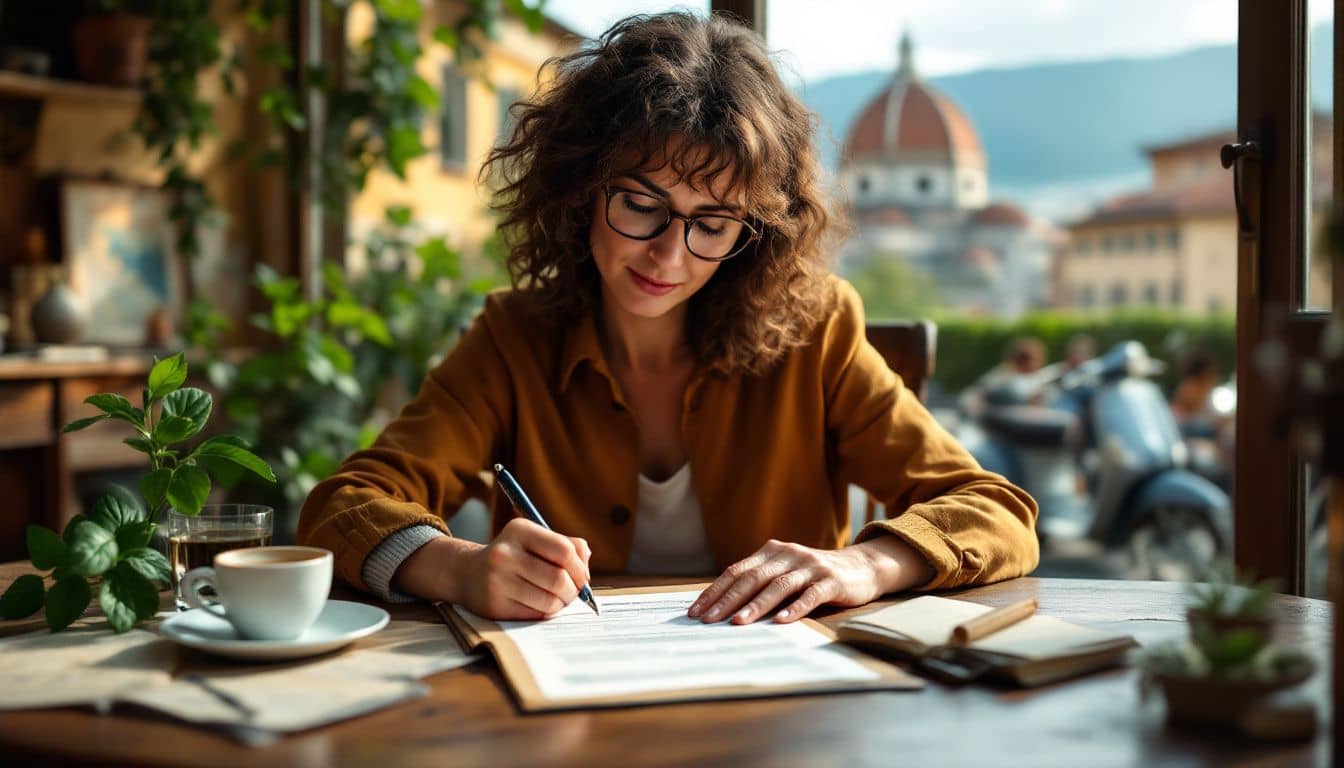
[(107, 552), (111, 42), (1230, 663), (1228, 607)]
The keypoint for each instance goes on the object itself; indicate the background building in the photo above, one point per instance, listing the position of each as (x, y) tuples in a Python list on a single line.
[(917, 180), (473, 115), (1174, 245)]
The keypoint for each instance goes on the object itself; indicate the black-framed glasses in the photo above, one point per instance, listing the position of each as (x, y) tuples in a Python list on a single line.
[(642, 216)]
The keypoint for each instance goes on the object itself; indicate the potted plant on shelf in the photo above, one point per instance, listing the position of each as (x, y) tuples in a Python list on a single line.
[(107, 552), (1230, 664), (111, 42)]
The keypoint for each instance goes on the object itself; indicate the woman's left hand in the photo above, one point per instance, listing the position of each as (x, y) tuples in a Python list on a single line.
[(779, 571)]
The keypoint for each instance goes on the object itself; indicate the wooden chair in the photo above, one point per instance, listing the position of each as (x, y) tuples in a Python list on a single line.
[(909, 347)]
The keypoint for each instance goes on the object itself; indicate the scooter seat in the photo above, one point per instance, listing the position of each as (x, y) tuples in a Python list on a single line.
[(1033, 425)]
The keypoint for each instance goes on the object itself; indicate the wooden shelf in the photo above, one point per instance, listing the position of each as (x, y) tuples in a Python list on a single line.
[(19, 367), (52, 89)]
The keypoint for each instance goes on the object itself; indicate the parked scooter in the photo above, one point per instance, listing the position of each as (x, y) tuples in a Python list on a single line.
[(1099, 450)]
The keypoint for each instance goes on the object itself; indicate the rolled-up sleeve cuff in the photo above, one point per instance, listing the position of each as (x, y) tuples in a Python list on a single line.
[(925, 538), (383, 562)]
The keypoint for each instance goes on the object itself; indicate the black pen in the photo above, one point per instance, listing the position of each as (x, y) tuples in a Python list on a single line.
[(520, 502)]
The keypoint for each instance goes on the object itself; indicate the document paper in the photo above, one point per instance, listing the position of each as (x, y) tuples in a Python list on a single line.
[(646, 642)]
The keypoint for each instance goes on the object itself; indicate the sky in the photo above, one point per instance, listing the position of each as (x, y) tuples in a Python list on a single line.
[(821, 38)]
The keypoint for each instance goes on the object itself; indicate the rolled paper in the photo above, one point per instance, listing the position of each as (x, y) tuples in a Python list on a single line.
[(988, 623)]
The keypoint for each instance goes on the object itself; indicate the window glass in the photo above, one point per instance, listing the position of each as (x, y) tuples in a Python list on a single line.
[(453, 119), (1317, 275), (1095, 160)]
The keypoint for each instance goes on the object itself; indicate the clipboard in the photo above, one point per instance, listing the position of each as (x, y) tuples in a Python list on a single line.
[(473, 633)]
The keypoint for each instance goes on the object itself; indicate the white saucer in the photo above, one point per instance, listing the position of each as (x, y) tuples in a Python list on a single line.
[(339, 624)]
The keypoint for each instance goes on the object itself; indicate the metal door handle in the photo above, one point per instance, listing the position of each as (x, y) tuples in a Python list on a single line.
[(1244, 159), (1247, 151)]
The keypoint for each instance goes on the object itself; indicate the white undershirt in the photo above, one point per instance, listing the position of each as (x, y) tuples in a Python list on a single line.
[(669, 534)]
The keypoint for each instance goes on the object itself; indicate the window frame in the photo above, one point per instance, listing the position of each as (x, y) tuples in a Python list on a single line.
[(1272, 111)]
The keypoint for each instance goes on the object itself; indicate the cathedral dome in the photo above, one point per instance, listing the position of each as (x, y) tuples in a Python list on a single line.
[(911, 120), (1001, 215)]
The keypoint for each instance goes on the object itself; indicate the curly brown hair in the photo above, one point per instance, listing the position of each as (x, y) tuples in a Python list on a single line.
[(710, 84)]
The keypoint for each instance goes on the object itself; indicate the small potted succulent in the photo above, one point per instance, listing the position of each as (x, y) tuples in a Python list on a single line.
[(1230, 662), (111, 42)]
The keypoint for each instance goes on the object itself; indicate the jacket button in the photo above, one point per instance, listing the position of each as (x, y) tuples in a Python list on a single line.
[(620, 515)]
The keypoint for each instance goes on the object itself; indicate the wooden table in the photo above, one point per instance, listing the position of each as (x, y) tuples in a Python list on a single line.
[(469, 719)]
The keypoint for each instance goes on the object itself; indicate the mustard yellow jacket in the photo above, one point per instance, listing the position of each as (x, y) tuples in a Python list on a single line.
[(771, 455)]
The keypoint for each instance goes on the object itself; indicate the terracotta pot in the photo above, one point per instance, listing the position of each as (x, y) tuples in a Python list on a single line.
[(1217, 702), (111, 48)]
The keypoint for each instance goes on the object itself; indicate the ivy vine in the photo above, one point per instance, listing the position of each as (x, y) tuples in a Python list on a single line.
[(373, 113)]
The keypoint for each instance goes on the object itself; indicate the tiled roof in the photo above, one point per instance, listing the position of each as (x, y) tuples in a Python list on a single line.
[(1001, 215), (1207, 194)]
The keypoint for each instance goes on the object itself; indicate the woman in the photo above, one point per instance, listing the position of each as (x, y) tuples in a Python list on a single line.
[(675, 379)]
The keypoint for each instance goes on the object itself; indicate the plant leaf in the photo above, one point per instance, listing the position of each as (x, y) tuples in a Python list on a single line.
[(134, 536), (115, 508), (93, 550), (140, 444), (445, 36), (154, 486), (45, 548), (68, 535), (225, 448), (167, 375), (189, 403), (117, 407), (150, 563), (188, 489), (422, 92), (127, 597), (174, 429), (23, 598), (79, 424), (67, 599)]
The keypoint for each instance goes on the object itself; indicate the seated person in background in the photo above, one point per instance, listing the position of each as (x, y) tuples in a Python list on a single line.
[(675, 378), (1082, 347), (1004, 384), (1190, 401), (1025, 355), (1209, 434)]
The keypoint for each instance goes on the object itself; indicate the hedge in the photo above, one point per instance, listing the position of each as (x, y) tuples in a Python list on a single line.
[(967, 347)]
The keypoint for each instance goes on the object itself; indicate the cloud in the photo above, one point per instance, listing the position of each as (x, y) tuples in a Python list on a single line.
[(827, 37)]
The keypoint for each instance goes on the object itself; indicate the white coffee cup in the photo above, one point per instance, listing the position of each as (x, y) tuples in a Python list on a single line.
[(266, 593)]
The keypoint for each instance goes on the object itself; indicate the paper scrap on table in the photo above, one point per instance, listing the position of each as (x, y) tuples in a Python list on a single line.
[(84, 664), (402, 649), (646, 642), (92, 665), (279, 701), (378, 671)]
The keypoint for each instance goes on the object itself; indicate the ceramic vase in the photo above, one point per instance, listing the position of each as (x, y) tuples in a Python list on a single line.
[(57, 317)]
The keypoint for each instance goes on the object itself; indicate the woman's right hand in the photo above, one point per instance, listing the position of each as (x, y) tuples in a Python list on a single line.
[(527, 572)]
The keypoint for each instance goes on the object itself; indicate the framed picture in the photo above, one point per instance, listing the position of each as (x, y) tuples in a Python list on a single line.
[(117, 243)]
